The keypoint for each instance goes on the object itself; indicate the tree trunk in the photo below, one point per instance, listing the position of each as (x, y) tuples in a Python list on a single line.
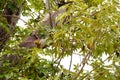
[(11, 16)]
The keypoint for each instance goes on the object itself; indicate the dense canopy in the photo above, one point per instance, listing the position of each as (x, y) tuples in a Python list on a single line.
[(58, 29)]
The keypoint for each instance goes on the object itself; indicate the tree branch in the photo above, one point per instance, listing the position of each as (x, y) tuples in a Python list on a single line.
[(47, 6), (83, 62), (70, 62), (96, 67)]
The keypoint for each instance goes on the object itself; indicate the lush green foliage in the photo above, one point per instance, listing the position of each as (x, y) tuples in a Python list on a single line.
[(91, 28)]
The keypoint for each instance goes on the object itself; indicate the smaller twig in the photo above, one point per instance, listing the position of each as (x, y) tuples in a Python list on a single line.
[(95, 68), (59, 61), (52, 58), (60, 57), (83, 62), (71, 54), (70, 62), (99, 74)]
